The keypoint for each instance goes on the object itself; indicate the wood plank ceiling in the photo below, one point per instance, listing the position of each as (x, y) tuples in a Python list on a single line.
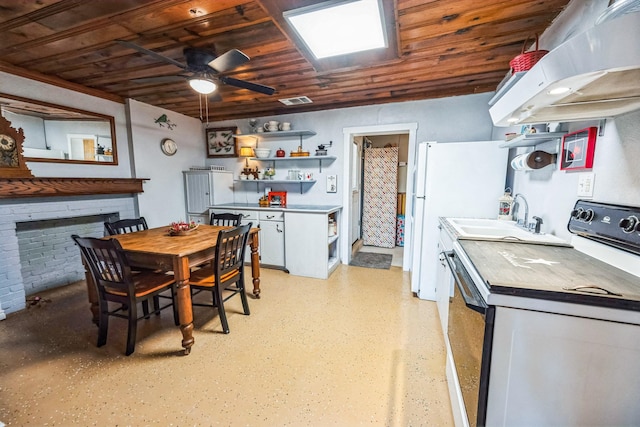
[(441, 48)]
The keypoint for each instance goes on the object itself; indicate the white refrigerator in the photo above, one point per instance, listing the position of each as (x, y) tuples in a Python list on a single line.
[(457, 179)]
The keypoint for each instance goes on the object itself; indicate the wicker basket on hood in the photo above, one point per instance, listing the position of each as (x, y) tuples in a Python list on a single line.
[(526, 60)]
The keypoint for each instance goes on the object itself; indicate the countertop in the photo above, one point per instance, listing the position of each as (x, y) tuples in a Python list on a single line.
[(543, 272), (552, 273), (319, 209)]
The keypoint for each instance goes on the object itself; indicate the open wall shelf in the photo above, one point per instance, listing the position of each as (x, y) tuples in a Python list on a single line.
[(532, 139), (284, 134)]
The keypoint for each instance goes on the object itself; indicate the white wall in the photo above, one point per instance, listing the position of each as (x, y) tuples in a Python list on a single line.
[(163, 199), (462, 118), (551, 193), (448, 119)]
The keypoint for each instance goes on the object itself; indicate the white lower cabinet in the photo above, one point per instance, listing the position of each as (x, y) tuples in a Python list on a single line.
[(552, 369), (312, 244), (444, 279), (304, 243), (271, 238)]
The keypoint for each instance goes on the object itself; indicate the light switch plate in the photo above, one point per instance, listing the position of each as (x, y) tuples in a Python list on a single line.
[(585, 184), (332, 183)]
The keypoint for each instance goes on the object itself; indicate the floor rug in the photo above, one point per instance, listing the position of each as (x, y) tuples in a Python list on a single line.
[(372, 260)]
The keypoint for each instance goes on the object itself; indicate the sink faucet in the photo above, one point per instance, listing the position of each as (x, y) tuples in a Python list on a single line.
[(526, 208), (536, 227)]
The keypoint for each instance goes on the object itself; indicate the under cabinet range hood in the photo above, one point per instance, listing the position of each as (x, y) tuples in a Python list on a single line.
[(599, 70)]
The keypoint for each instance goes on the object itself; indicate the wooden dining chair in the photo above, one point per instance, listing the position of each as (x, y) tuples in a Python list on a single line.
[(124, 226), (131, 225), (226, 273), (225, 219), (116, 283)]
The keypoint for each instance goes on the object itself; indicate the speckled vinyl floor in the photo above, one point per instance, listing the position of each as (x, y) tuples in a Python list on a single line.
[(357, 349)]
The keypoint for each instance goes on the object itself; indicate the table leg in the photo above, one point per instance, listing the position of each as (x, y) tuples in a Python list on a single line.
[(255, 264), (183, 299)]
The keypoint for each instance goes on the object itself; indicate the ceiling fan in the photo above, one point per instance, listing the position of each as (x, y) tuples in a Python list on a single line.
[(203, 68)]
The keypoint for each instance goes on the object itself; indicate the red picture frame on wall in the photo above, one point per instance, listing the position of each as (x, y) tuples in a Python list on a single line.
[(578, 149)]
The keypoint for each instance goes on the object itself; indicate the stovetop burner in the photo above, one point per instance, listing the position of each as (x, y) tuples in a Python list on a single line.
[(614, 225)]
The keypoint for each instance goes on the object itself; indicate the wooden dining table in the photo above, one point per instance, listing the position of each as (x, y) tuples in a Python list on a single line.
[(156, 249)]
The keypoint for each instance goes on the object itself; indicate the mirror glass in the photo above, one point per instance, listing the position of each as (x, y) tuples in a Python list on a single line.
[(53, 133)]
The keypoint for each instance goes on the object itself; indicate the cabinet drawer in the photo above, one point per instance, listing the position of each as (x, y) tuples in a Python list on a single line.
[(271, 216), (246, 215), (222, 211)]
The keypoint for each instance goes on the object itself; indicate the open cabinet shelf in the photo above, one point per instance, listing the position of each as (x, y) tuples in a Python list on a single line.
[(532, 139), (283, 134)]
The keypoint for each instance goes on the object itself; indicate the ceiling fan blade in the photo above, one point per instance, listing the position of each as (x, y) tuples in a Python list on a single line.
[(248, 85), (228, 61), (151, 53), (159, 79)]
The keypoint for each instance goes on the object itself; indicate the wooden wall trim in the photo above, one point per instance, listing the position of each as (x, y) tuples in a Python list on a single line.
[(11, 188), (55, 81)]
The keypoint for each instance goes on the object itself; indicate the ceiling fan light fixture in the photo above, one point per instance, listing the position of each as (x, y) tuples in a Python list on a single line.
[(202, 84)]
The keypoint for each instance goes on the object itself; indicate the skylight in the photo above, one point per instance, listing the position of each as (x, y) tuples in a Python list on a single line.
[(339, 27)]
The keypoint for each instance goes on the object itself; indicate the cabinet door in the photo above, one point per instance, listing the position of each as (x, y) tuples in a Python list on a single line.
[(197, 191), (444, 279), (221, 186), (272, 243), (549, 369), (308, 245), (250, 217), (444, 284)]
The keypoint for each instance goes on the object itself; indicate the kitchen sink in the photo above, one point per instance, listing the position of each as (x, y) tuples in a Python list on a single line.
[(480, 222), (506, 231), (489, 231)]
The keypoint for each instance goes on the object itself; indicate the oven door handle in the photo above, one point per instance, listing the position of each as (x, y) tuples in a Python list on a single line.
[(472, 301)]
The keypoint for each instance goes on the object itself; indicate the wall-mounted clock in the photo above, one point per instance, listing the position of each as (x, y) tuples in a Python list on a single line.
[(12, 163), (169, 146)]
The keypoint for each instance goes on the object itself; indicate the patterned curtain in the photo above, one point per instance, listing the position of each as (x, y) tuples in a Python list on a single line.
[(380, 197)]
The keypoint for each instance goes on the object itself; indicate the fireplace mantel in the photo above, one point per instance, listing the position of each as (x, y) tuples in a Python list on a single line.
[(11, 188)]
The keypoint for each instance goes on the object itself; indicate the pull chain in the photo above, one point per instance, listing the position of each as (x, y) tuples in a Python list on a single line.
[(206, 107), (206, 103)]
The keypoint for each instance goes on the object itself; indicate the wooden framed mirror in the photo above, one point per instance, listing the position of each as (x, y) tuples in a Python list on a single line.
[(53, 133)]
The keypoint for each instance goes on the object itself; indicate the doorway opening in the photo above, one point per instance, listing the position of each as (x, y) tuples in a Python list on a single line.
[(380, 176), (397, 173), (90, 147)]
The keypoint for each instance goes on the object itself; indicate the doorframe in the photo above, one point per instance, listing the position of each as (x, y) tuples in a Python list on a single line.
[(348, 134)]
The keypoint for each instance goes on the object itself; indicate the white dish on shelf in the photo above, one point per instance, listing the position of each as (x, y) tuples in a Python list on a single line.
[(262, 153)]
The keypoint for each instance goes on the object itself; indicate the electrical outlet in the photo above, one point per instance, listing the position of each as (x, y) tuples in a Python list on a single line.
[(332, 183), (585, 184)]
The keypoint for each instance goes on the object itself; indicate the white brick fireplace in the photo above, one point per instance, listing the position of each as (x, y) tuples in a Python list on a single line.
[(32, 219)]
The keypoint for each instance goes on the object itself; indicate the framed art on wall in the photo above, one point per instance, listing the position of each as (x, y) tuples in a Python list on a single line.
[(578, 149), (220, 142)]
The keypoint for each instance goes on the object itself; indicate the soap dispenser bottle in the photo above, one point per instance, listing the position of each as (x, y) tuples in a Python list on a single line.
[(506, 203)]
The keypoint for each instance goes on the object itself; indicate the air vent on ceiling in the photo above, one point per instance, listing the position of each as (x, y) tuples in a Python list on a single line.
[(296, 101)]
